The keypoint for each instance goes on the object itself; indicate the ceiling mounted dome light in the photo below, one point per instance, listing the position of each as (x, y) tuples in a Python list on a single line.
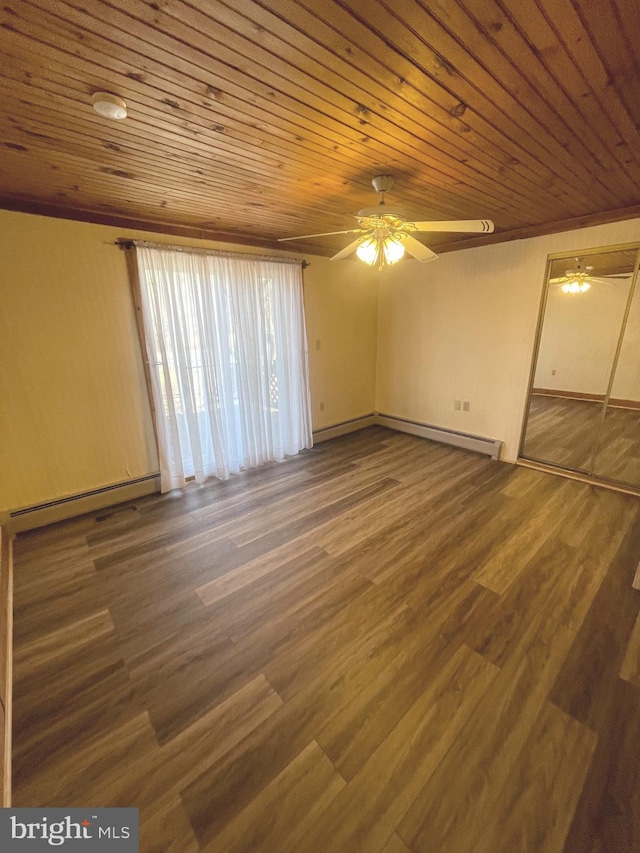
[(109, 106)]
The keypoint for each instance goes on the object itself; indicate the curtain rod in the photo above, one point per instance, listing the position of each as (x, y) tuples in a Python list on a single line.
[(146, 244)]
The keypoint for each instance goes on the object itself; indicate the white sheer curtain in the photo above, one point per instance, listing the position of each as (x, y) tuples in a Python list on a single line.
[(227, 350)]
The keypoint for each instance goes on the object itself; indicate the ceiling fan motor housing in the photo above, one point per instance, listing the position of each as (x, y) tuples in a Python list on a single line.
[(381, 211), (382, 183)]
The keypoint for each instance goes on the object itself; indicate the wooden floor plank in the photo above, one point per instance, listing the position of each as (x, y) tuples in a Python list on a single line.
[(221, 792), (292, 599), (42, 650), (594, 557), (590, 689), (370, 808), (46, 727), (167, 829), (485, 754), (396, 845), (278, 514), (98, 761), (193, 681), (347, 630), (353, 735), (273, 820), (549, 775), (534, 598), (630, 667), (607, 816), (583, 686), (243, 576), (501, 569), (155, 772)]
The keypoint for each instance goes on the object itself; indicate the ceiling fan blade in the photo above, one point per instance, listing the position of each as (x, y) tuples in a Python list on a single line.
[(623, 276), (470, 226), (416, 248), (347, 250), (325, 234)]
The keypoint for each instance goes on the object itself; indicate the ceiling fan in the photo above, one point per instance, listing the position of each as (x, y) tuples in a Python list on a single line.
[(579, 279), (384, 234)]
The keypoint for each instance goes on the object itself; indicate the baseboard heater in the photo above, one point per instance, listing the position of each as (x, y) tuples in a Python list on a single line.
[(489, 446), (344, 427), (70, 506)]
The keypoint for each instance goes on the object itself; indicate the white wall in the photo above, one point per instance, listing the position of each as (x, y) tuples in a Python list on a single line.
[(74, 410), (463, 326), (580, 337)]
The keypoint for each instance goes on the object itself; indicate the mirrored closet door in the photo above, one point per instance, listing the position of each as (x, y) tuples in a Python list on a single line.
[(583, 411)]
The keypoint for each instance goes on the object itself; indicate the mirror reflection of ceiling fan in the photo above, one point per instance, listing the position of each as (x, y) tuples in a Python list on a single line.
[(384, 235), (579, 279)]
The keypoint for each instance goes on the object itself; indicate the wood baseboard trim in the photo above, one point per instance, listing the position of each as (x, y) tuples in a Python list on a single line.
[(343, 428), (71, 506), (617, 403), (568, 395), (614, 402), (488, 446)]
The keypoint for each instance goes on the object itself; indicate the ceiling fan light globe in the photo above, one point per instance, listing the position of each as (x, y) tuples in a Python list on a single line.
[(577, 281), (393, 250), (368, 251)]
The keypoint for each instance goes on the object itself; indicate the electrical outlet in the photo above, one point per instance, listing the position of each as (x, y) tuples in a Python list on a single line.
[(322, 407), (456, 405), (318, 344), (465, 405), (553, 372)]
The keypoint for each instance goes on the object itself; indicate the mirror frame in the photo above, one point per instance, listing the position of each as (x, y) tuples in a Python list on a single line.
[(571, 255)]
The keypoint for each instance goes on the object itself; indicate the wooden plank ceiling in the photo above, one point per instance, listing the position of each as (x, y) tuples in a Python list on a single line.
[(258, 120)]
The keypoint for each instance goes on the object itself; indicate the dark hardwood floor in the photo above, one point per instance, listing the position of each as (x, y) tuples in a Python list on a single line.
[(384, 644), (564, 432)]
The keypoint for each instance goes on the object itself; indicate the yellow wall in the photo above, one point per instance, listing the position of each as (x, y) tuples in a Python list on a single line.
[(341, 304), (463, 327), (74, 413)]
